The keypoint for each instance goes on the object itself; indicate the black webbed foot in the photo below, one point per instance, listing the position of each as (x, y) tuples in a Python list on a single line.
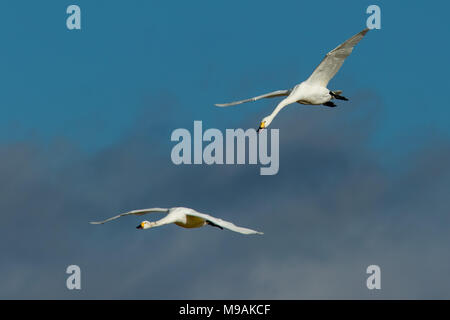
[(213, 225), (329, 104), (336, 96)]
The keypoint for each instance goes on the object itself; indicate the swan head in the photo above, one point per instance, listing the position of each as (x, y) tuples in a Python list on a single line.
[(145, 225), (264, 123)]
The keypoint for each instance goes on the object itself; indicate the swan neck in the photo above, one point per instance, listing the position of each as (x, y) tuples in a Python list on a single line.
[(165, 220), (280, 106)]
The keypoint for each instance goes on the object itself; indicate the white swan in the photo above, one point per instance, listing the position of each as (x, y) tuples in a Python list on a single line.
[(183, 217), (314, 90)]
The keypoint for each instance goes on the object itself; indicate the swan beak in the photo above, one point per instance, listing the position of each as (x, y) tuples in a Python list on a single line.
[(140, 226), (261, 126)]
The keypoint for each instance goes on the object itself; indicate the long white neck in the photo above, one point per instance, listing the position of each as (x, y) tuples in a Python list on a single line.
[(280, 106)]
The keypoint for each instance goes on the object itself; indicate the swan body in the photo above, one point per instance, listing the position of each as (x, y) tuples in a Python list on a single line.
[(183, 217), (306, 93), (312, 91)]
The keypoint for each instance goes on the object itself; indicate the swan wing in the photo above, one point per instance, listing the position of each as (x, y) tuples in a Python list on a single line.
[(222, 223), (333, 61), (273, 94), (139, 212)]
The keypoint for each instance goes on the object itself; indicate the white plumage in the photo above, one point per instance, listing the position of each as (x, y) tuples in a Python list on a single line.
[(314, 90), (183, 217)]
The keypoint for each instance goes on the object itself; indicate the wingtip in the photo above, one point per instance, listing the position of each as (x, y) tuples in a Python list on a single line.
[(93, 222)]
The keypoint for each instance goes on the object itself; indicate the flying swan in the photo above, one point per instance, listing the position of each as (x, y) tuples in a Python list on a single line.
[(314, 90), (183, 217)]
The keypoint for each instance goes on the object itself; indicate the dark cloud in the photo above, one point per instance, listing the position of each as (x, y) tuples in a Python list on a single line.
[(334, 208)]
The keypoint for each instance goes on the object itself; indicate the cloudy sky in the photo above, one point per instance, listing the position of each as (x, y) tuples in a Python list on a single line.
[(85, 134)]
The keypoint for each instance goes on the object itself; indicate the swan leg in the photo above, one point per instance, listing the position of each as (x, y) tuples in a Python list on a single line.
[(213, 225), (337, 96), (329, 104)]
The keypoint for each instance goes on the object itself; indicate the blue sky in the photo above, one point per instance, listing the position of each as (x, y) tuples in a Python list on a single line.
[(90, 86), (85, 133)]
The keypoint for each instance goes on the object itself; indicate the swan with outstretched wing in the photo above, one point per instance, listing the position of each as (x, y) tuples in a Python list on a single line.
[(312, 91), (183, 217)]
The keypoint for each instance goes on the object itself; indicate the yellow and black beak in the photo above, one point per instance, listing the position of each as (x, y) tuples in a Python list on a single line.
[(261, 126), (141, 226)]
